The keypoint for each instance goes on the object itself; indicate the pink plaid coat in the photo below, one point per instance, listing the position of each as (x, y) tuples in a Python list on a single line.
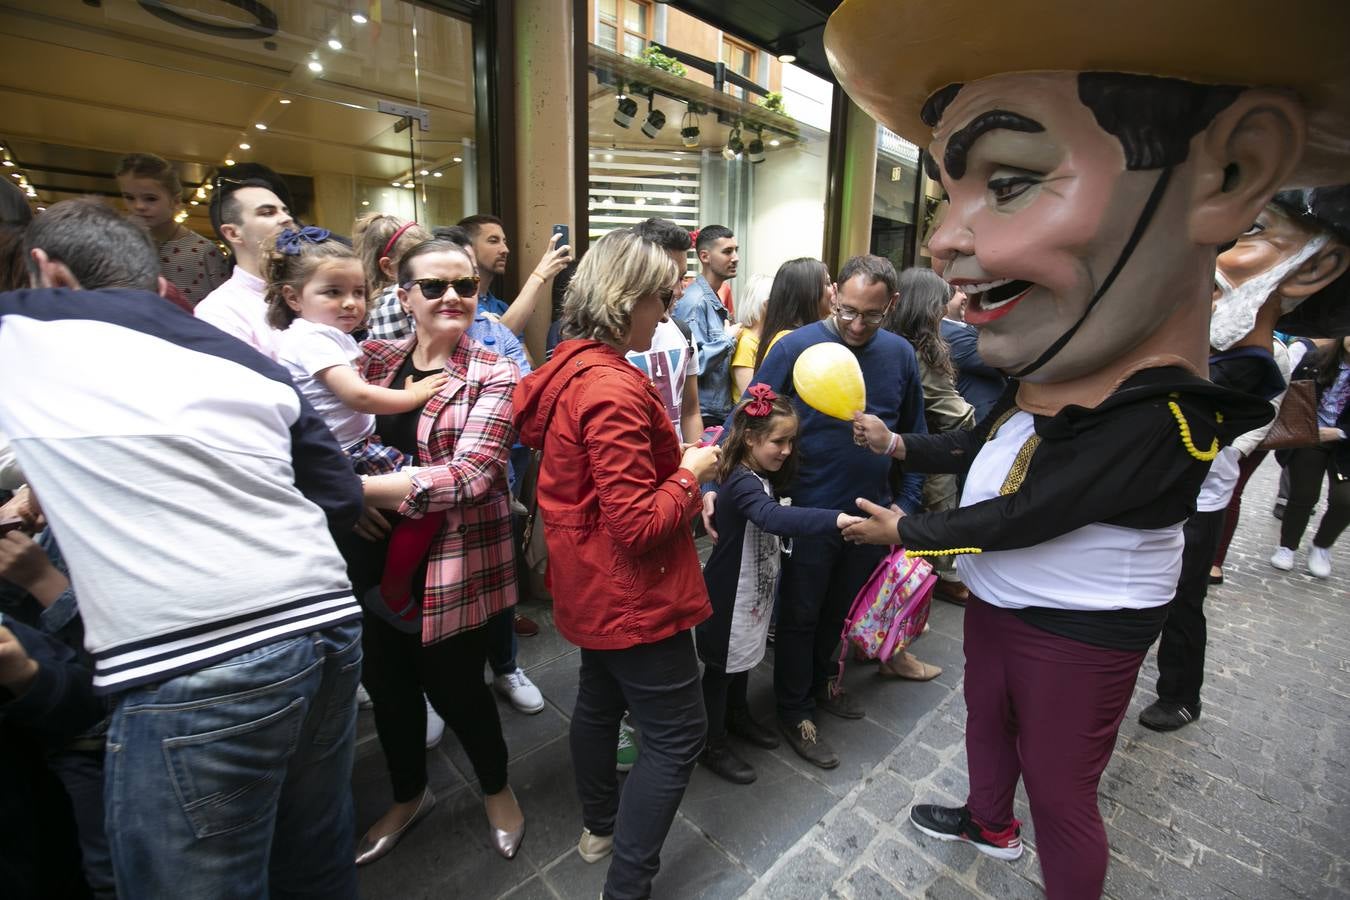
[(464, 435)]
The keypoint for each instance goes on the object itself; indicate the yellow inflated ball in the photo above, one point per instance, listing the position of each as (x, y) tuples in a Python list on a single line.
[(828, 378)]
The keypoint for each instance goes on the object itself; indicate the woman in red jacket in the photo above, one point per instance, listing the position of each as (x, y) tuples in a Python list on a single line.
[(617, 494)]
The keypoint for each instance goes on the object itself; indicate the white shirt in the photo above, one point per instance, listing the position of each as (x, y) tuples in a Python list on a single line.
[(666, 365), (306, 349), (237, 307), (1096, 567)]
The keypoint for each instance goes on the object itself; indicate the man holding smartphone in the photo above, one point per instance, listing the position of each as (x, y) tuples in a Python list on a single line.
[(488, 234)]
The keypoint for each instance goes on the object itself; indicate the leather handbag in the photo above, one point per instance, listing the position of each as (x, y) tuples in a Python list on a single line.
[(1296, 424)]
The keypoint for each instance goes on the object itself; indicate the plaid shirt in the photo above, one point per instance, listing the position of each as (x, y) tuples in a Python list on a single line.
[(463, 435), (386, 320)]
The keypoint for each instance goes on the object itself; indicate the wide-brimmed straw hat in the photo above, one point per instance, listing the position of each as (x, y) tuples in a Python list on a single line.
[(892, 55)]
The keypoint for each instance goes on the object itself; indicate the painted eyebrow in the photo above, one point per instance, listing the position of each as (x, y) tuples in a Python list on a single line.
[(958, 147)]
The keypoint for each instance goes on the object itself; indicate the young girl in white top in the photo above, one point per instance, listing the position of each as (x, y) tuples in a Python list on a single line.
[(316, 297)]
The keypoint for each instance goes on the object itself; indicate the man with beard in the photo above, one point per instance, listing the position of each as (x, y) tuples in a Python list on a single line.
[(1293, 251), (1086, 210), (709, 322)]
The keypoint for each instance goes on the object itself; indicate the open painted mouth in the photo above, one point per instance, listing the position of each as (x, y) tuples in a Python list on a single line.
[(991, 300)]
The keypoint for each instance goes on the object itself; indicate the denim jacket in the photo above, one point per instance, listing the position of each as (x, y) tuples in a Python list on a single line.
[(702, 310)]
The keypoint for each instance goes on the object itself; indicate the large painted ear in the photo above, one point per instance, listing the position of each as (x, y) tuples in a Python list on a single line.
[(1245, 155), (1325, 266)]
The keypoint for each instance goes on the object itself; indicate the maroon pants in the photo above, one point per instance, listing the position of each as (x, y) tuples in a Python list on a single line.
[(1046, 709), (1246, 468)]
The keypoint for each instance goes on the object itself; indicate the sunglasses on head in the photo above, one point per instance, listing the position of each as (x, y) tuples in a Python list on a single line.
[(434, 288)]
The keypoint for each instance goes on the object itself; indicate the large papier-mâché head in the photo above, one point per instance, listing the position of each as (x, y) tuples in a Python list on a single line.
[(1086, 205)]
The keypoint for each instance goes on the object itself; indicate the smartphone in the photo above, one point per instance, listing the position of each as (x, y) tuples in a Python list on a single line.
[(564, 236), (12, 523), (710, 436)]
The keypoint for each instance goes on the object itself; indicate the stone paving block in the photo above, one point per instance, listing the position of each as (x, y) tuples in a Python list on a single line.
[(914, 763), (887, 796), (866, 883), (846, 835), (807, 875), (1002, 880), (903, 865), (1134, 851), (941, 735), (947, 888)]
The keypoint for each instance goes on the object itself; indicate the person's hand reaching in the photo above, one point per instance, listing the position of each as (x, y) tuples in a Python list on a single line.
[(881, 528)]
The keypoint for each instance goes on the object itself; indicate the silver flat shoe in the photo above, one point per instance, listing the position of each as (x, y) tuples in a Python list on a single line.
[(508, 842), (368, 851)]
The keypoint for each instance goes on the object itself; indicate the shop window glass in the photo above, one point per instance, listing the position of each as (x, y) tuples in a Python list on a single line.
[(893, 204), (635, 30), (775, 206), (295, 86)]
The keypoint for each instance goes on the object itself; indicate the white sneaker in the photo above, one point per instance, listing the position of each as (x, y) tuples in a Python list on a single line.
[(363, 700), (1282, 559), (435, 727), (1319, 562), (522, 693)]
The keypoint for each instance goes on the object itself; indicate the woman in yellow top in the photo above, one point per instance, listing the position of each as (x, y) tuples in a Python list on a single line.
[(801, 294)]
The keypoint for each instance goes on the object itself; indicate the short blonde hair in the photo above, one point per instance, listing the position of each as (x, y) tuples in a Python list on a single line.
[(617, 271), (750, 311)]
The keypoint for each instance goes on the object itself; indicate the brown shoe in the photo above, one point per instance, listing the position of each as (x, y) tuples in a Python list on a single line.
[(952, 591), (525, 626), (906, 667)]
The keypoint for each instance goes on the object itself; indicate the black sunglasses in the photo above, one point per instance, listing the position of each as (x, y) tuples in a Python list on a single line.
[(434, 288)]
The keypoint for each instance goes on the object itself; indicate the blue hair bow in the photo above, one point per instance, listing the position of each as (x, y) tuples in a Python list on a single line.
[(288, 242)]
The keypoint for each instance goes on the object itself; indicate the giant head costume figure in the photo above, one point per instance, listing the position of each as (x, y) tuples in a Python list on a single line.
[(1096, 157)]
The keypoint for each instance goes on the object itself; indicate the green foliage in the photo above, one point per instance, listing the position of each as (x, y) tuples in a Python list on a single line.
[(773, 102), (658, 60)]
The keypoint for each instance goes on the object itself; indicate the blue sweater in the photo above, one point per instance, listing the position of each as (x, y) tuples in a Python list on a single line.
[(834, 471)]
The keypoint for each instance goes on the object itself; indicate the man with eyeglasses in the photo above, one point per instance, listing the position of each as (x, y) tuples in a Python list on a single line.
[(823, 574), (251, 216)]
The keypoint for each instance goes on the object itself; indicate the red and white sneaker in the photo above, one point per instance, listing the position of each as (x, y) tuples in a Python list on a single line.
[(947, 823)]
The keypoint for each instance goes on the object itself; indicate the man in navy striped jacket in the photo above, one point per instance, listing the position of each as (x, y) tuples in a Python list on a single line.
[(192, 490)]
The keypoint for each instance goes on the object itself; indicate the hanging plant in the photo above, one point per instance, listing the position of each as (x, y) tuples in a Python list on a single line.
[(773, 102), (653, 57)]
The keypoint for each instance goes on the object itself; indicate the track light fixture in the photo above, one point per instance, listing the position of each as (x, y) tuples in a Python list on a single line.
[(734, 145), (755, 150), (656, 120), (689, 129), (624, 111)]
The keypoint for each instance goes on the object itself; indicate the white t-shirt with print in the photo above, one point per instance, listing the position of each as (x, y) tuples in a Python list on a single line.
[(666, 365)]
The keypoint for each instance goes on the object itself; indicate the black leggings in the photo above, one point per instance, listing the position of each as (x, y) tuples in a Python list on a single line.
[(720, 693), (1306, 466), (398, 670)]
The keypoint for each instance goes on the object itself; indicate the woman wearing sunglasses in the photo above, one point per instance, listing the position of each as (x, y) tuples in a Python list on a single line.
[(617, 492), (426, 630)]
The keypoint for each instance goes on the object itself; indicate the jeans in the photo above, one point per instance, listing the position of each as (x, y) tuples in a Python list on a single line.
[(659, 685), (819, 582), (722, 693), (502, 641), (1181, 648), (234, 781)]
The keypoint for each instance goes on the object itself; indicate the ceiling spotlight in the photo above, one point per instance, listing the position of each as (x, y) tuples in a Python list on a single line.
[(409, 184), (334, 44), (435, 174), (398, 184), (285, 101), (656, 120), (640, 201), (676, 198), (624, 111), (734, 144), (774, 142), (194, 203), (359, 19), (9, 162), (315, 65), (260, 126), (228, 161), (42, 209), (755, 150), (459, 159), (424, 172), (365, 202), (15, 175), (245, 146), (689, 129), (201, 193)]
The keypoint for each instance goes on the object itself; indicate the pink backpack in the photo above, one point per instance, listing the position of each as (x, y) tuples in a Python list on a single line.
[(891, 609)]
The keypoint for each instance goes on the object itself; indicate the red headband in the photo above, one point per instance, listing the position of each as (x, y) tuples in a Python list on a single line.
[(393, 240)]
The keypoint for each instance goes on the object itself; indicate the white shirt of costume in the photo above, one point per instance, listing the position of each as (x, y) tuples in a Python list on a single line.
[(237, 307), (1096, 567), (306, 349)]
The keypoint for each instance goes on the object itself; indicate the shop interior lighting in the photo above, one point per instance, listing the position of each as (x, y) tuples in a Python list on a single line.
[(315, 66), (624, 111), (245, 146), (755, 150), (359, 19), (774, 142), (435, 174), (424, 172), (734, 145), (334, 44), (656, 120), (689, 131), (285, 101), (459, 159), (9, 162), (228, 161)]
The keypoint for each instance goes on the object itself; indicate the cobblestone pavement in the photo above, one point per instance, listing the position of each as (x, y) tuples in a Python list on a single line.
[(1251, 801)]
